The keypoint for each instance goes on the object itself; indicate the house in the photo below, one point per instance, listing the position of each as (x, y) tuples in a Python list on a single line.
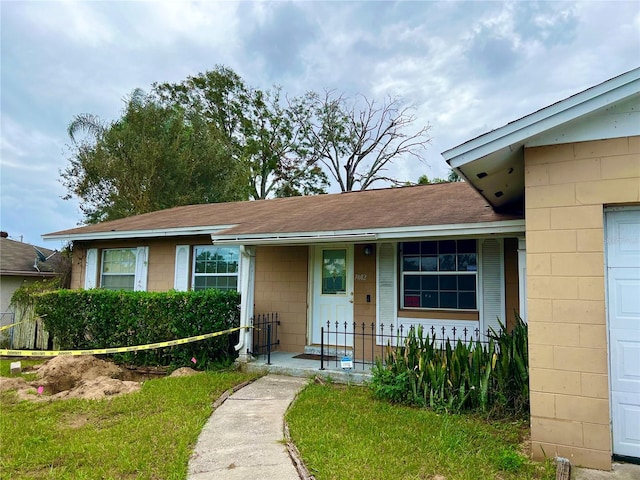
[(576, 166), (547, 216), (436, 254), (20, 263)]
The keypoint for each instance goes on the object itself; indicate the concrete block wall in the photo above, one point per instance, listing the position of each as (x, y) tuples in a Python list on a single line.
[(567, 187), (281, 281)]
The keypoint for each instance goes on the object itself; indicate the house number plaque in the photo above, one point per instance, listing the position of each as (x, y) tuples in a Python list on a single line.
[(361, 277)]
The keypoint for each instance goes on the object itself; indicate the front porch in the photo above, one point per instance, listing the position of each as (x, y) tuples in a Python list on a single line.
[(286, 363)]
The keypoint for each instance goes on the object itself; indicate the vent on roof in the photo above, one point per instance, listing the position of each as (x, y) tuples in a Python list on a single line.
[(498, 194), (481, 174)]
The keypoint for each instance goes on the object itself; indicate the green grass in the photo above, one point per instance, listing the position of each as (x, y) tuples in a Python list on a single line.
[(145, 435), (344, 433), (26, 364)]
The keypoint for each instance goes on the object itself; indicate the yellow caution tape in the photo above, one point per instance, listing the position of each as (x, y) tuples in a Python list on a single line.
[(102, 351), (7, 327)]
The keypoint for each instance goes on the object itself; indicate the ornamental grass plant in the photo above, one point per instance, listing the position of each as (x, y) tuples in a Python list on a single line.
[(456, 376)]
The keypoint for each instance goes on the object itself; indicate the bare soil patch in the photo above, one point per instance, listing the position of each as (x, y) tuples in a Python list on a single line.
[(84, 377)]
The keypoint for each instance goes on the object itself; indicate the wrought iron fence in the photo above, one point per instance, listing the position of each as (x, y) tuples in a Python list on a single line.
[(363, 343), (265, 334)]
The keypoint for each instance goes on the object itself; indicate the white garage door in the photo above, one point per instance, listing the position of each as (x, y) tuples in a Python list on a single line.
[(623, 281)]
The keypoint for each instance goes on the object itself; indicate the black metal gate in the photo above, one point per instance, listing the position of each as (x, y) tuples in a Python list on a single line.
[(265, 334)]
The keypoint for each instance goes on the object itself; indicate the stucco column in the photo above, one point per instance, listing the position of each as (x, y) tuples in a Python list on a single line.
[(247, 288), (522, 277)]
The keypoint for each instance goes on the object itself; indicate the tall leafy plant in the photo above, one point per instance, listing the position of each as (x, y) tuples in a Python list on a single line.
[(442, 375)]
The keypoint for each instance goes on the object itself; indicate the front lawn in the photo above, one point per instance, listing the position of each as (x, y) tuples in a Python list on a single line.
[(145, 435), (342, 432)]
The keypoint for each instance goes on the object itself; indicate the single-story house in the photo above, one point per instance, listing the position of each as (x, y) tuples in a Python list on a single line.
[(20, 263), (546, 219)]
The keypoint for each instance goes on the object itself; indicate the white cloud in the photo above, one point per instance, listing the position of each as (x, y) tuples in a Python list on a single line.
[(467, 67)]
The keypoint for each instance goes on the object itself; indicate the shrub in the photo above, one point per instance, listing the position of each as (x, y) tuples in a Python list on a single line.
[(460, 376), (92, 319)]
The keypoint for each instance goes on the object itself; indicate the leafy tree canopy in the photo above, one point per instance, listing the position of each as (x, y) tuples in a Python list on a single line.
[(213, 138), (257, 126), (153, 157)]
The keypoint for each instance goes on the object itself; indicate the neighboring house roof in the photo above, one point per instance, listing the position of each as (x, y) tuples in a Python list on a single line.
[(493, 162), (383, 213), (21, 259)]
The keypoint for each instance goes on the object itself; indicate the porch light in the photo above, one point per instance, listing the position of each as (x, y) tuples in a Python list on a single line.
[(368, 249)]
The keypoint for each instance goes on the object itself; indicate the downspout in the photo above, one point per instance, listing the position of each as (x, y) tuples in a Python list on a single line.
[(247, 287)]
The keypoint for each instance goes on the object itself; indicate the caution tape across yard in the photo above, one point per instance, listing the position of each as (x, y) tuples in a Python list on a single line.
[(103, 351), (7, 327)]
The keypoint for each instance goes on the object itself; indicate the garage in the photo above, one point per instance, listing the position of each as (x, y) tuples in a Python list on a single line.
[(622, 236)]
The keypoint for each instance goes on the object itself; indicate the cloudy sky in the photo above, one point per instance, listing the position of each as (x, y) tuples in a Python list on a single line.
[(467, 67)]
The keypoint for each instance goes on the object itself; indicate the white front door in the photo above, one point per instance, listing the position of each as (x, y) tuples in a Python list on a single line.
[(332, 292), (623, 305)]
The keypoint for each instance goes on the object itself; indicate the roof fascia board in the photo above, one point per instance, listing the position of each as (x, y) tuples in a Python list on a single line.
[(536, 123), (22, 273), (487, 228), (152, 233)]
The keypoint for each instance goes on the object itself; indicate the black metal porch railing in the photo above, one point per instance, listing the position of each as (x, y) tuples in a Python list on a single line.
[(364, 343), (265, 334)]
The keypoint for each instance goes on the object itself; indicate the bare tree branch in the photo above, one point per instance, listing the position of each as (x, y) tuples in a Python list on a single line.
[(356, 145)]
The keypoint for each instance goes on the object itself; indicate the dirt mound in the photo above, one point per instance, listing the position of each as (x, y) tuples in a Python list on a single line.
[(67, 372), (98, 388), (66, 377)]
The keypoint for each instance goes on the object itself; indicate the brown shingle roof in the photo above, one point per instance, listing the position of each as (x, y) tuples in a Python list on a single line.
[(17, 258), (424, 205)]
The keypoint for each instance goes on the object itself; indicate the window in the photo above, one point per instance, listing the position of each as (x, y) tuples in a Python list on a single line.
[(118, 269), (216, 267), (334, 263), (439, 274)]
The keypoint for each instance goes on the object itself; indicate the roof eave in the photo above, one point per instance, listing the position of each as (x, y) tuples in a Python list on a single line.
[(516, 133), (150, 233), (493, 163), (23, 273), (502, 227)]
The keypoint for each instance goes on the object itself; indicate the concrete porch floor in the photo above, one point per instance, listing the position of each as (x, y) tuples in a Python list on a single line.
[(284, 363)]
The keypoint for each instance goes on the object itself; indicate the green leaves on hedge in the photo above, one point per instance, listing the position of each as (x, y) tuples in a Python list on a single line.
[(91, 319)]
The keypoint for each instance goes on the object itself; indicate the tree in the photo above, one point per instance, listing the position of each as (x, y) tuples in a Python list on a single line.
[(356, 144), (452, 177), (257, 127), (153, 157)]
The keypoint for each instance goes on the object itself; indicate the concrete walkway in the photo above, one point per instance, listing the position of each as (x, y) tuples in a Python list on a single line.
[(619, 471), (243, 438)]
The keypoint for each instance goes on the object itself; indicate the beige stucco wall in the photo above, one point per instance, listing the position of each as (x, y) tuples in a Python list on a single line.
[(364, 312), (281, 286), (162, 257), (566, 189)]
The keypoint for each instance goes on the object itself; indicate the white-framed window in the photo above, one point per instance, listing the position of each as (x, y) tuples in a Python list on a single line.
[(118, 269), (439, 274), (215, 267)]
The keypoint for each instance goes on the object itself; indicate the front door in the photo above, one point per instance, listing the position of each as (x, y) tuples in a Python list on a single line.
[(332, 291), (623, 306)]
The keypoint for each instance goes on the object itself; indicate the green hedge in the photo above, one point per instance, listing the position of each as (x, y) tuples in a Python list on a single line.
[(491, 377), (91, 319)]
